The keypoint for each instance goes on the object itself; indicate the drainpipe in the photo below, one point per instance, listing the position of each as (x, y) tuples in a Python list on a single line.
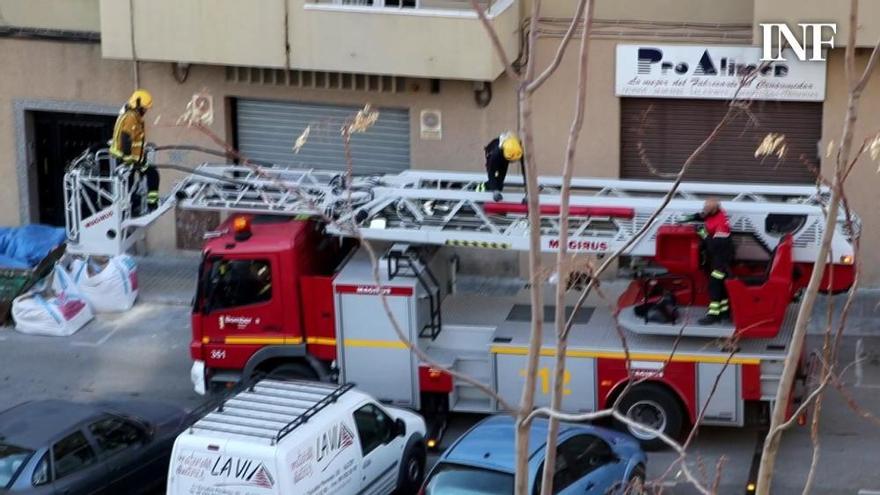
[(134, 61)]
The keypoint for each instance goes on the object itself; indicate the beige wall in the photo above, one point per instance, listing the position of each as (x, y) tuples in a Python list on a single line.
[(863, 187), (200, 31), (68, 15), (691, 11), (598, 148), (60, 71), (441, 44), (449, 44), (51, 71), (76, 72), (793, 12)]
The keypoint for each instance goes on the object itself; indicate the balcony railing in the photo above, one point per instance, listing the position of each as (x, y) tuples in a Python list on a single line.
[(459, 5), (437, 39), (415, 38)]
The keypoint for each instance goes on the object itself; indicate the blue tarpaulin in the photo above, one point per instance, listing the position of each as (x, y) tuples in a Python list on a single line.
[(24, 247)]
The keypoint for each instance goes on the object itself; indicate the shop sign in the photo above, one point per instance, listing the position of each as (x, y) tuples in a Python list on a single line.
[(715, 72)]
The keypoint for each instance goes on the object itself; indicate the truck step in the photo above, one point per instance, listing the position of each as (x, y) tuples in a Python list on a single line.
[(466, 337), (472, 405), (473, 367), (484, 379)]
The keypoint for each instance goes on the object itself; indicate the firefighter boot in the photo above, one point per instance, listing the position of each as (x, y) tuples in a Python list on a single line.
[(713, 315), (152, 201), (725, 310), (497, 196), (709, 319)]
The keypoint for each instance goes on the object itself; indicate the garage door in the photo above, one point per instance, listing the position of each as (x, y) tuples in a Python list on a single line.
[(266, 131), (669, 130)]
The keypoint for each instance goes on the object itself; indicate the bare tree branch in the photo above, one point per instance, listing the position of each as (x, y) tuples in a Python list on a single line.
[(560, 50), (612, 413), (562, 255), (354, 233), (496, 42), (732, 109), (869, 68), (786, 382)]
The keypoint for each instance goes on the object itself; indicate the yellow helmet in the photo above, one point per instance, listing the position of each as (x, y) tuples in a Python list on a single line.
[(511, 146), (141, 98)]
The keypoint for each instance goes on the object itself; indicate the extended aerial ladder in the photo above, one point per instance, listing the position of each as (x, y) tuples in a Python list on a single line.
[(444, 208)]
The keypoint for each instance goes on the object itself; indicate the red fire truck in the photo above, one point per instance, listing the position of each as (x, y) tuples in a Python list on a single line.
[(286, 287)]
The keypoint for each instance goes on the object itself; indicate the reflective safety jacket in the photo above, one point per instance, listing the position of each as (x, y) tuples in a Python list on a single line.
[(717, 225), (128, 137)]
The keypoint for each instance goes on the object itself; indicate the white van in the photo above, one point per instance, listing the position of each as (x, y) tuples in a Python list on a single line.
[(299, 438)]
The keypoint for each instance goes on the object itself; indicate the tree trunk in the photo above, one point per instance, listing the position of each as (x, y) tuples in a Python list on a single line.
[(562, 258), (536, 279), (792, 359)]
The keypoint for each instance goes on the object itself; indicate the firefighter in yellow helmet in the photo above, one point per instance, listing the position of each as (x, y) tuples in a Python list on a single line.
[(499, 153), (128, 145)]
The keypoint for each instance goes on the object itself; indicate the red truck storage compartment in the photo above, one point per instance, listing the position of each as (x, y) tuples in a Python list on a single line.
[(319, 317)]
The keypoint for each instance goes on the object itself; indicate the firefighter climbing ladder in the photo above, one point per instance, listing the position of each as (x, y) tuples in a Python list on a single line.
[(444, 208)]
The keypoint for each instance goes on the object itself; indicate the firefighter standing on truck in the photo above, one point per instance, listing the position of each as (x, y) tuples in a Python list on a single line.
[(128, 145), (499, 153), (715, 233)]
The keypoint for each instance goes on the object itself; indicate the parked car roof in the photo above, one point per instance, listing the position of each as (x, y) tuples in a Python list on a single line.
[(491, 443), (35, 424)]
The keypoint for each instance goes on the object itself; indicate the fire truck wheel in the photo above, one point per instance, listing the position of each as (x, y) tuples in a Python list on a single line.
[(412, 471), (293, 371), (654, 406)]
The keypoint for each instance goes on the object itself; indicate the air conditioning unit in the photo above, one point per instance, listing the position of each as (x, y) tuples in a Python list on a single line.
[(431, 124)]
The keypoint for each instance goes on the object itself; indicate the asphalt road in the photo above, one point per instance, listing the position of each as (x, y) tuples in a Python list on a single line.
[(144, 353)]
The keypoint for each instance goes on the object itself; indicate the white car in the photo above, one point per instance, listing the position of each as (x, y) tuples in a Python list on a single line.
[(297, 437)]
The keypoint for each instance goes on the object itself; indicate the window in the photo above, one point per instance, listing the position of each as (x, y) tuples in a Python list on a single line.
[(115, 434), (583, 454), (575, 458), (453, 478), (41, 475), (12, 458), (72, 454), (374, 427), (377, 3), (233, 283)]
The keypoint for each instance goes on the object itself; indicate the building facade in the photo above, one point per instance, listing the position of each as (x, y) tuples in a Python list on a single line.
[(658, 75)]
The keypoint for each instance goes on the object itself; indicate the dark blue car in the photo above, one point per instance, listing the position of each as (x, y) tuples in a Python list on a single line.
[(590, 460)]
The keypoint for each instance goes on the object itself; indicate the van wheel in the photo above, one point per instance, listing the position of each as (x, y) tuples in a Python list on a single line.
[(293, 371), (654, 406), (412, 469)]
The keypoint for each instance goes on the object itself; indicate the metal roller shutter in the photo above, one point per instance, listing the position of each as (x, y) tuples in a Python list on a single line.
[(266, 131), (674, 128)]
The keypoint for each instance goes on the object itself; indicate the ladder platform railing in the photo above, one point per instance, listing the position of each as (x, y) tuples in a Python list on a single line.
[(445, 208)]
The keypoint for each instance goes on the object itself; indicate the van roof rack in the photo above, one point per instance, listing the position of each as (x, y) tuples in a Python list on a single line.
[(263, 408)]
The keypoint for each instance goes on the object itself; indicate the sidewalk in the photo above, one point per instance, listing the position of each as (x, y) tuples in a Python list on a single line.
[(168, 279)]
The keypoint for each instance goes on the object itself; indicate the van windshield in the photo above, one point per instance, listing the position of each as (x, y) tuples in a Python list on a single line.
[(12, 459), (464, 480)]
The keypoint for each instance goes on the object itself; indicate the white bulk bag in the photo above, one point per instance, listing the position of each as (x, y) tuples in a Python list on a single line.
[(109, 285), (53, 307)]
